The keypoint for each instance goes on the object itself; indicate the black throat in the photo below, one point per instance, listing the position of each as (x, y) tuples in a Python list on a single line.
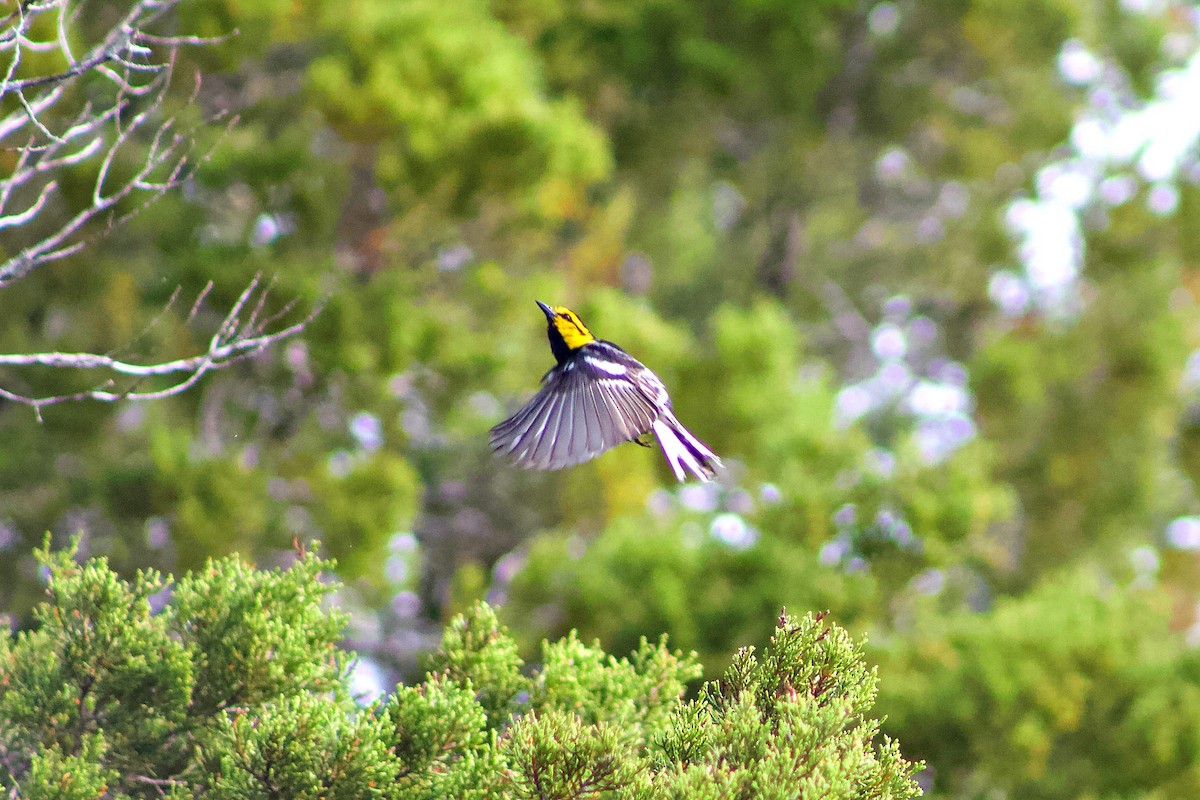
[(558, 345)]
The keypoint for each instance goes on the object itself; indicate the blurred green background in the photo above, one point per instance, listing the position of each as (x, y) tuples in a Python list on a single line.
[(924, 274)]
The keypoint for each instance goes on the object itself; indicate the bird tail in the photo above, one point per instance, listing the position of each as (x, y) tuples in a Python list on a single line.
[(684, 450)]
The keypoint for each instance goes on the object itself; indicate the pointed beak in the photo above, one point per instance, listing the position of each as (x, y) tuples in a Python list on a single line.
[(547, 310)]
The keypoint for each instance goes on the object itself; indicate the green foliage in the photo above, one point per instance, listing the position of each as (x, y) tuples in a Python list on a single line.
[(555, 754), (453, 97), (254, 635), (98, 664), (105, 678), (636, 694), (300, 746), (255, 705), (740, 192), (358, 510), (1098, 391), (440, 734), (69, 777), (789, 724), (1045, 696), (477, 651)]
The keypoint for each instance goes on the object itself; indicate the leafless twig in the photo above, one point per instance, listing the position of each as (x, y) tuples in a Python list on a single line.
[(105, 107), (242, 333), (160, 785), (104, 111)]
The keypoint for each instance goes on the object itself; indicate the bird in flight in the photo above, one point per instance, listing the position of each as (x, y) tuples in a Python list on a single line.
[(596, 397)]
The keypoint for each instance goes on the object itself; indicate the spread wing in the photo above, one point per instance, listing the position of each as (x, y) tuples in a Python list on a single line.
[(579, 412)]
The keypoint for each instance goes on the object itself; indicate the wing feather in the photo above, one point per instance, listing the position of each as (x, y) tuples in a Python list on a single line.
[(637, 416), (518, 421), (579, 430), (576, 415), (541, 451), (564, 444), (591, 417), (622, 416), (512, 436)]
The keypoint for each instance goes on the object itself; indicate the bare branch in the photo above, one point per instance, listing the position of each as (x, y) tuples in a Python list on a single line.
[(168, 156), (240, 335), (33, 117), (64, 43), (6, 188), (208, 287), (17, 119), (137, 65), (105, 107), (75, 71), (21, 217), (177, 41)]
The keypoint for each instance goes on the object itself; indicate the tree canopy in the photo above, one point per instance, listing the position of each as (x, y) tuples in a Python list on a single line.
[(923, 274)]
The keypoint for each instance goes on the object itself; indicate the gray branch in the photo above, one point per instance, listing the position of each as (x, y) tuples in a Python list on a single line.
[(104, 110), (243, 332), (136, 66)]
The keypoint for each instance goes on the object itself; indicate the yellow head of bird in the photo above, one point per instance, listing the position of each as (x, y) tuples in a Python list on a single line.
[(567, 324)]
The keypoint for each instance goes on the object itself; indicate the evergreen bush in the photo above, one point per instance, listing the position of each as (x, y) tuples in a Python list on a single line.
[(228, 683)]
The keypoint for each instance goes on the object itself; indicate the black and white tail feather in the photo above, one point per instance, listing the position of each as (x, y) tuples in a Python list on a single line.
[(596, 397), (684, 451)]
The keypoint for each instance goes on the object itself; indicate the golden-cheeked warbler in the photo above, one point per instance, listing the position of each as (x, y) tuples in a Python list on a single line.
[(595, 398)]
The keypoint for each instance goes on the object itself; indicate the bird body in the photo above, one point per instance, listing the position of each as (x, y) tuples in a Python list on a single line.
[(596, 397)]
